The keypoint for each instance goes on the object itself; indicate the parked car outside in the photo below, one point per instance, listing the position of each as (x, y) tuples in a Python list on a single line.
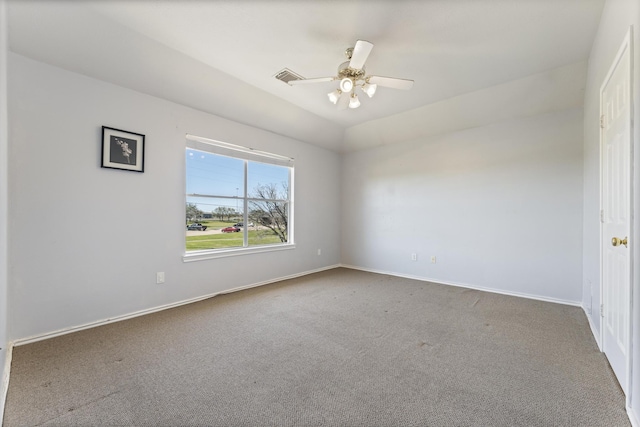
[(196, 226), (240, 224), (230, 230)]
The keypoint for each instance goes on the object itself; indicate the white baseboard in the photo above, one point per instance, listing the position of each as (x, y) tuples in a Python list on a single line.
[(633, 419), (4, 386), (279, 279), (468, 286), (40, 337), (35, 338), (595, 333)]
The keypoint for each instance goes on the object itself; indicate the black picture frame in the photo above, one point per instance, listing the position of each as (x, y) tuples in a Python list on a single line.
[(122, 150)]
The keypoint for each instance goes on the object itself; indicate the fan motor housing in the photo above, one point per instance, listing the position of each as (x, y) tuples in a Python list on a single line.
[(345, 71)]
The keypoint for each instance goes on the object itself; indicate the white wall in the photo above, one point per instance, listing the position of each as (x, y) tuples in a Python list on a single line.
[(617, 16), (4, 175), (86, 242), (500, 207)]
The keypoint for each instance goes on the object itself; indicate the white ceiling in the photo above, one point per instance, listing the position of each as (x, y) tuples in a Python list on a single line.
[(195, 52)]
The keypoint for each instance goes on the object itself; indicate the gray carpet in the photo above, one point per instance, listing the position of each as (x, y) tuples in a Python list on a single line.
[(337, 348)]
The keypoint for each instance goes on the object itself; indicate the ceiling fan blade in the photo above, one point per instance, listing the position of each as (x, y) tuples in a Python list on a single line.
[(307, 81), (343, 102), (361, 52), (391, 82)]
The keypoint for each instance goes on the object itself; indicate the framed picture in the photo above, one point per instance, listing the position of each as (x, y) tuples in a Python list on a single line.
[(122, 150)]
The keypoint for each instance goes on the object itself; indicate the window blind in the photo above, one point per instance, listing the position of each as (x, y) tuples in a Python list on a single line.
[(237, 151)]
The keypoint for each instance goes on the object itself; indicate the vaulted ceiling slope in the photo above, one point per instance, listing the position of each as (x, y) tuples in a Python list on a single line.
[(221, 57)]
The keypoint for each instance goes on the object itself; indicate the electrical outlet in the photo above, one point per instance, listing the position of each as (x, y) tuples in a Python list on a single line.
[(414, 256), (319, 251), (433, 259), (160, 277)]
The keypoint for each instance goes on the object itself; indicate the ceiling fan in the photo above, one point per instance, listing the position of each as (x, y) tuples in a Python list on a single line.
[(352, 75)]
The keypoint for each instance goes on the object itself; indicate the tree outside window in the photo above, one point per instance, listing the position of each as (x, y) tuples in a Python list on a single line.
[(246, 197)]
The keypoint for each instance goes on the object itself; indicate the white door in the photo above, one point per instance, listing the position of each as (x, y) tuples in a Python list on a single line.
[(616, 212)]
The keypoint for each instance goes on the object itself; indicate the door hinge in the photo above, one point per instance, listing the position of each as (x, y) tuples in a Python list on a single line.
[(601, 310), (602, 121), (602, 216)]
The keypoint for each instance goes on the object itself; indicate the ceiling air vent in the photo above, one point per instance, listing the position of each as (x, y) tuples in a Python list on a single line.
[(286, 75)]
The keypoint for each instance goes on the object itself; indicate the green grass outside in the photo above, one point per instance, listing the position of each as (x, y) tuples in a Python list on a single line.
[(230, 240)]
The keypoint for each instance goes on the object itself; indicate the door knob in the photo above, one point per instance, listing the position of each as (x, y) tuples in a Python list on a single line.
[(616, 241)]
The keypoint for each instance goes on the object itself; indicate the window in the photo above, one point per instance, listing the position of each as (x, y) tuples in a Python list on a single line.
[(237, 199)]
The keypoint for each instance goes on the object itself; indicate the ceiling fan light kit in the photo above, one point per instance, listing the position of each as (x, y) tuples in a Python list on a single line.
[(354, 102), (346, 84), (351, 75), (369, 89), (334, 96)]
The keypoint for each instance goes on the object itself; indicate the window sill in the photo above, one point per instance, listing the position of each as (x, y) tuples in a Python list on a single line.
[(223, 253)]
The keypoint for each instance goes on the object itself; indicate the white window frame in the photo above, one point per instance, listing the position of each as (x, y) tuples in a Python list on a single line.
[(247, 154)]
